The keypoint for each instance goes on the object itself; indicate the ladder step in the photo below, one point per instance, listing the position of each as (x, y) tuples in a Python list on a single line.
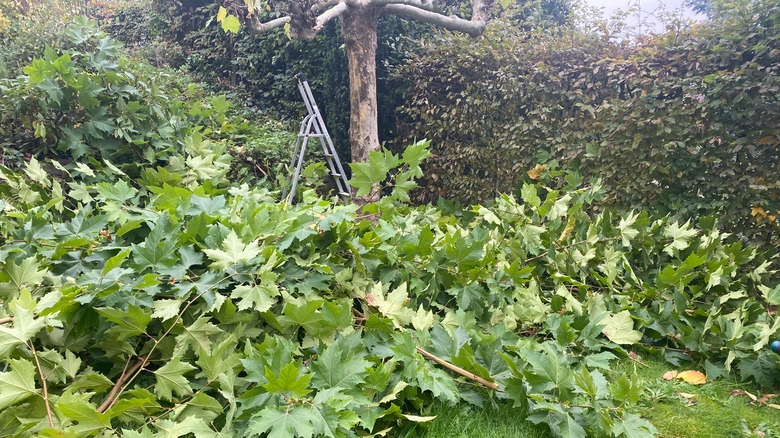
[(311, 135), (344, 194), (336, 174)]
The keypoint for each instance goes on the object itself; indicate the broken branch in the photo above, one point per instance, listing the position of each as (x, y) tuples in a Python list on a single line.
[(459, 370)]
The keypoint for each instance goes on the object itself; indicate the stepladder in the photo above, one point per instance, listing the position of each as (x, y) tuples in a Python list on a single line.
[(313, 127)]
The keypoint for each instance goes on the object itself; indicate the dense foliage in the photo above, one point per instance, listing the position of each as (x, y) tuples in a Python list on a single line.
[(173, 304), (686, 123)]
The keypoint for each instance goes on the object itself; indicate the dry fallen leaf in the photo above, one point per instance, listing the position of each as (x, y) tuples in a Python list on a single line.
[(632, 355), (738, 392), (686, 395), (765, 399), (694, 377), (772, 405), (669, 375)]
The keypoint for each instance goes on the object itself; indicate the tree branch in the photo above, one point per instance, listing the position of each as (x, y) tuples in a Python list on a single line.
[(306, 34), (331, 14), (43, 384), (255, 26), (126, 375), (459, 370), (428, 5), (472, 27), (6, 320)]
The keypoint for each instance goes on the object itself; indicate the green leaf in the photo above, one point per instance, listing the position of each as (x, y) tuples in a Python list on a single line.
[(24, 328), (285, 422), (632, 426), (231, 24), (25, 273), (17, 384), (619, 328), (170, 379), (130, 323), (762, 368), (196, 335), (680, 236), (528, 193), (289, 381), (393, 306), (233, 252), (341, 365)]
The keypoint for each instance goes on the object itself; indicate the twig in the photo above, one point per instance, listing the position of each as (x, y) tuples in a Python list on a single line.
[(111, 398), (6, 320), (459, 370), (43, 383)]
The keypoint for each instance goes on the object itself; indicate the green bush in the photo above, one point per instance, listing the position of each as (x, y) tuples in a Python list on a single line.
[(686, 123)]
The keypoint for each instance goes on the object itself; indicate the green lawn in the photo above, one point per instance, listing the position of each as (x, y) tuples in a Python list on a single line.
[(466, 421), (680, 409), (676, 408)]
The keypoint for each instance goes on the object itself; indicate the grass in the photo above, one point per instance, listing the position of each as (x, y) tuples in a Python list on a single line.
[(676, 408), (680, 409), (466, 421)]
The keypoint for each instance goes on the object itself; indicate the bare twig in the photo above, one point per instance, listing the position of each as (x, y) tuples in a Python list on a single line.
[(459, 370), (6, 320), (126, 375), (43, 383)]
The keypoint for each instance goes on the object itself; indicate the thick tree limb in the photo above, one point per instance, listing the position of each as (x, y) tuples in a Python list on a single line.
[(331, 14), (305, 33), (428, 5), (255, 26), (473, 27)]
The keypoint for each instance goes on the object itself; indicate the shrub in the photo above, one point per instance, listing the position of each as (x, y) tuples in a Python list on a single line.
[(686, 123)]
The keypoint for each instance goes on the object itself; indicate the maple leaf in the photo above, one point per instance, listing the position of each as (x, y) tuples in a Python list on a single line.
[(25, 327), (393, 305), (18, 383), (233, 251), (286, 422), (170, 379), (619, 328), (289, 381)]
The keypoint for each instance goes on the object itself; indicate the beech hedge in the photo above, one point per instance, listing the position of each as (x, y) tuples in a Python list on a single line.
[(683, 123)]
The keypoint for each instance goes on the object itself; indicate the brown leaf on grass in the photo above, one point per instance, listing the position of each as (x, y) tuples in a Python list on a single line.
[(772, 405), (765, 399), (686, 395), (669, 375), (632, 355), (738, 392), (693, 377)]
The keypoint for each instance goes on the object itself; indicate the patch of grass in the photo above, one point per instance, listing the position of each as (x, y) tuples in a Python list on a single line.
[(466, 421), (680, 409)]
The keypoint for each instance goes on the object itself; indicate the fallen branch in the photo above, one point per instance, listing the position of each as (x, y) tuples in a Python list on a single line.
[(6, 320), (459, 370), (110, 399)]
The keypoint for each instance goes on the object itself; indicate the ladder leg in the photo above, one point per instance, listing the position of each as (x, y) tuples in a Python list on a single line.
[(297, 170)]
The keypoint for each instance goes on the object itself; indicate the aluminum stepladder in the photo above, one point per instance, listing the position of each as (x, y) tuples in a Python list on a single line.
[(313, 126)]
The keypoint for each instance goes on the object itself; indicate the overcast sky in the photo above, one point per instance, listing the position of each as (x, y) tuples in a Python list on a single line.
[(646, 7)]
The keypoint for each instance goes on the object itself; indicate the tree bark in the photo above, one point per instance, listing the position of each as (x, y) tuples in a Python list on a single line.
[(358, 28)]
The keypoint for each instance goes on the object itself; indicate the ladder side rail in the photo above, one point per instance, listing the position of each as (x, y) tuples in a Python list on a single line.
[(305, 96), (300, 162), (298, 143), (331, 149)]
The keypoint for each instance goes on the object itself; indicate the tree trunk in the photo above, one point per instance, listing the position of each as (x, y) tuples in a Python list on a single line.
[(358, 28)]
